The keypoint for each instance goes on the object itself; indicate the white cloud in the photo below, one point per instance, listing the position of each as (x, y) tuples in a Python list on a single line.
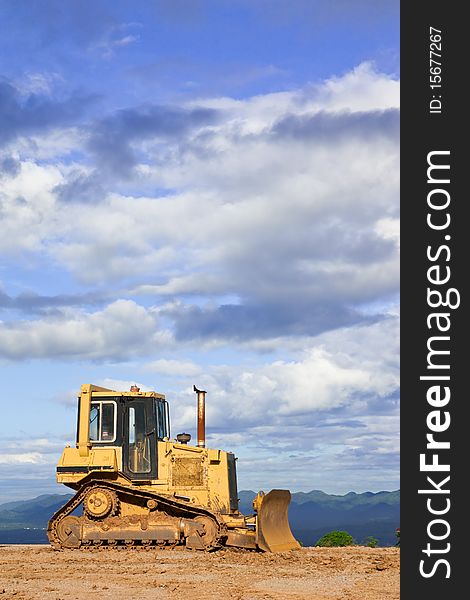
[(248, 245), (360, 89), (270, 233), (174, 367), (41, 83), (389, 229), (115, 37), (122, 329), (53, 146), (43, 445), (22, 458), (126, 40), (354, 369), (266, 207), (27, 208)]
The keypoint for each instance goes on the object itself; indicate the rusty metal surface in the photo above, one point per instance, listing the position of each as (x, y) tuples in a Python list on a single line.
[(240, 539), (273, 533), (187, 472), (157, 533), (201, 417)]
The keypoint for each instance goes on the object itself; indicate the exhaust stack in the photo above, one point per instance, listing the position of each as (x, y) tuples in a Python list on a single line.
[(201, 417)]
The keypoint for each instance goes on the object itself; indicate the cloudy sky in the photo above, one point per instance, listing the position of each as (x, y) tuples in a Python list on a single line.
[(203, 192)]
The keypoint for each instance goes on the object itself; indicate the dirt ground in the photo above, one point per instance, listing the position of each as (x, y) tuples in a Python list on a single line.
[(356, 573)]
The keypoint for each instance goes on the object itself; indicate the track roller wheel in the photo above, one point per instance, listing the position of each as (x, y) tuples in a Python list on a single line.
[(100, 502), (69, 532), (209, 536)]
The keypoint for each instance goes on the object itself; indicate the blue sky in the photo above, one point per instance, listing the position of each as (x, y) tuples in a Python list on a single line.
[(203, 192)]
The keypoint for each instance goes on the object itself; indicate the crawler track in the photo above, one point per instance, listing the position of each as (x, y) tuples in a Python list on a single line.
[(161, 521)]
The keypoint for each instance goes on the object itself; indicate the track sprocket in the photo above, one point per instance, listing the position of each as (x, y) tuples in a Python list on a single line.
[(100, 502)]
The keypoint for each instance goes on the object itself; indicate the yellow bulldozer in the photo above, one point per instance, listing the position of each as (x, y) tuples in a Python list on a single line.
[(135, 486)]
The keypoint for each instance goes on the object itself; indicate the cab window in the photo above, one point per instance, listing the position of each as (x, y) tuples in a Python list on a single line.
[(161, 408), (139, 440), (103, 421)]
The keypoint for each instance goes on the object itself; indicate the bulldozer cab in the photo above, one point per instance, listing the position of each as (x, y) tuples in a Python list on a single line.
[(134, 423)]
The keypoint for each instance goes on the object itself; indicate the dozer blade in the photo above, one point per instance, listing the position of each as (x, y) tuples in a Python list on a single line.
[(273, 533)]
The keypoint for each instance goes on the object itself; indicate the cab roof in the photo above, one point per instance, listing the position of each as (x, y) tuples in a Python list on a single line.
[(101, 392)]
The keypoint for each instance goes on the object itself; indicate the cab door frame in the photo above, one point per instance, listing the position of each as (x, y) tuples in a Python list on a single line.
[(144, 429)]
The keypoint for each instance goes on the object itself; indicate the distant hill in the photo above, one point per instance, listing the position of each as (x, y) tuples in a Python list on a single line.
[(30, 513), (311, 515), (25, 521)]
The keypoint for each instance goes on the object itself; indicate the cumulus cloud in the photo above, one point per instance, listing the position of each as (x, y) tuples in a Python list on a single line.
[(111, 139), (172, 367), (80, 187), (284, 203), (333, 127), (354, 369), (36, 112), (23, 457), (27, 208), (333, 404), (9, 166), (122, 329), (246, 244)]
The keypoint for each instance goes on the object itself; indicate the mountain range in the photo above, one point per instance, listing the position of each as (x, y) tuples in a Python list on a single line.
[(311, 515)]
